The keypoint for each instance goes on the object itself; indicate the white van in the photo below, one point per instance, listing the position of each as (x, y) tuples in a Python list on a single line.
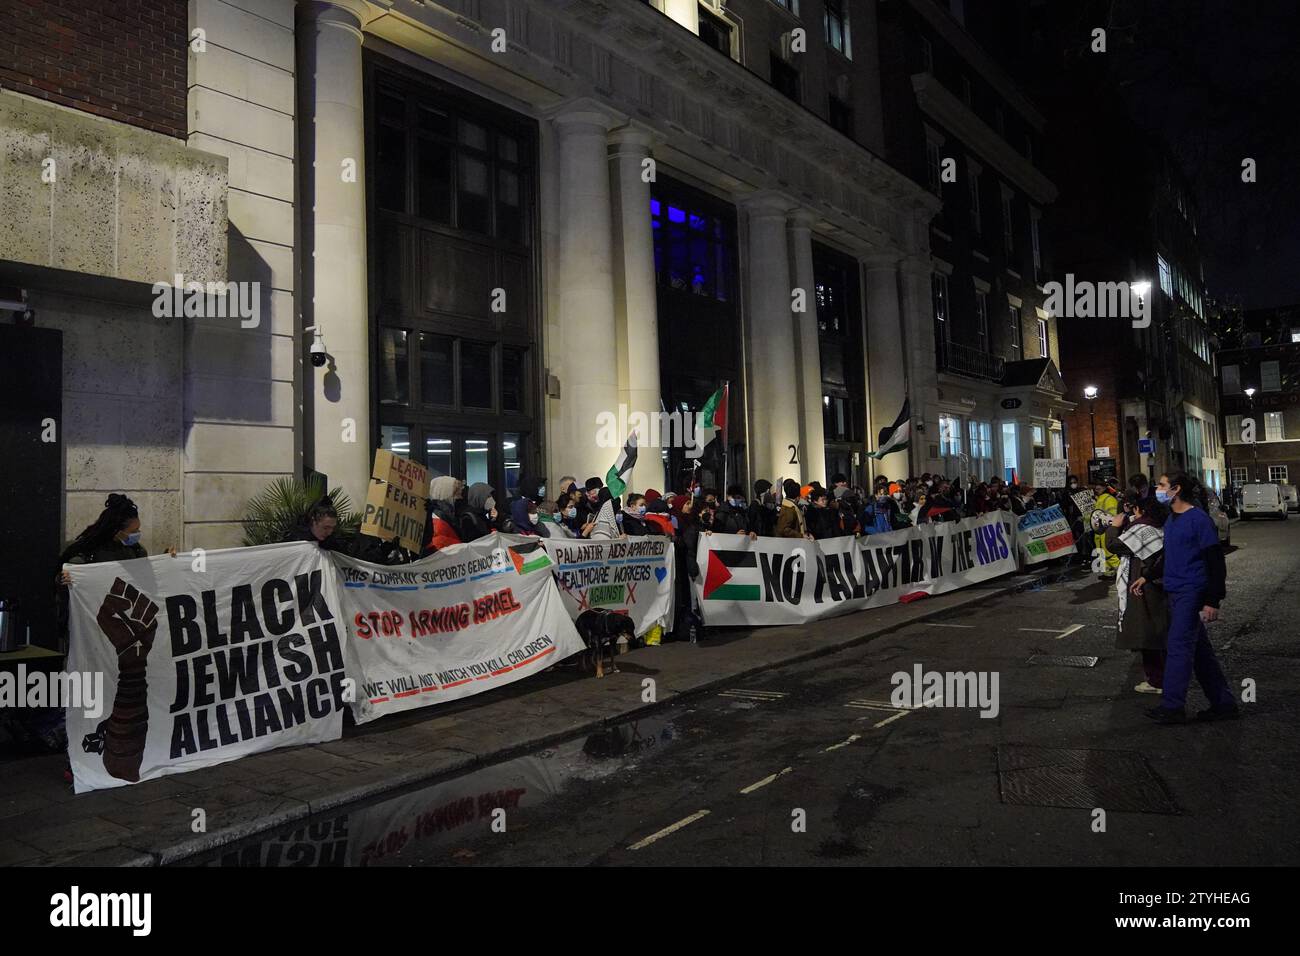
[(1291, 498), (1262, 499)]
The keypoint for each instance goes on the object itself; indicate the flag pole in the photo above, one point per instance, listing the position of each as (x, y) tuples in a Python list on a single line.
[(726, 421)]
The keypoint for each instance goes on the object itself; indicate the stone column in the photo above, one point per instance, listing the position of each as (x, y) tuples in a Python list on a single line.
[(685, 12), (808, 364), (332, 95), (589, 338), (886, 357), (773, 385), (635, 305)]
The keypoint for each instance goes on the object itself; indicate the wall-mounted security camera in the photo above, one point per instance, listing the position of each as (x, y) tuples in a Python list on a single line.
[(318, 354)]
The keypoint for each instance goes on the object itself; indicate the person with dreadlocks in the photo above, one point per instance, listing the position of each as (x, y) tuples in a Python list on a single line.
[(115, 536)]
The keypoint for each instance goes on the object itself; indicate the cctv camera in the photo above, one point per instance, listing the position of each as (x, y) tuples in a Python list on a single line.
[(318, 355)]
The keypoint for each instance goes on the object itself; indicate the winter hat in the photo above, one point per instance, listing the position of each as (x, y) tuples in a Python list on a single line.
[(761, 487), (651, 496)]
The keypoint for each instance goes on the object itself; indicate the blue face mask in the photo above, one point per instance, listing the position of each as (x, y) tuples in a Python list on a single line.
[(131, 540), (571, 513), (1163, 497)]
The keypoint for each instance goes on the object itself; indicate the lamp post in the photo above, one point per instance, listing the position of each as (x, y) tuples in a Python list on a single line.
[(1254, 436), (1090, 393)]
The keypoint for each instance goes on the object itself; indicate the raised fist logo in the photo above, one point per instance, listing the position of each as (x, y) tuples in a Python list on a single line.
[(129, 619)]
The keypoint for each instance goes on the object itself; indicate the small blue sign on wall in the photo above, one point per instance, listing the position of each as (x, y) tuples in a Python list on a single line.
[(1146, 446)]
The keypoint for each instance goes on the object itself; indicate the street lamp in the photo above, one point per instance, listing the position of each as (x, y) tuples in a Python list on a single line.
[(1254, 437), (1090, 393)]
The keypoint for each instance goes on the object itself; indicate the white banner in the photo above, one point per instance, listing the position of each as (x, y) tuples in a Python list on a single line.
[(205, 659), (1050, 472), (464, 620), (789, 581), (1044, 534), (633, 576)]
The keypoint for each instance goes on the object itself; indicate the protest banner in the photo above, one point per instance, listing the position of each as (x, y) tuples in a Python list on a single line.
[(395, 501), (1050, 472), (790, 581), (1043, 535), (633, 576), (464, 620), (205, 659), (1087, 504)]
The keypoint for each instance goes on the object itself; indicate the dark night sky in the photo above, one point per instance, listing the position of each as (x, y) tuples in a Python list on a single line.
[(1220, 81)]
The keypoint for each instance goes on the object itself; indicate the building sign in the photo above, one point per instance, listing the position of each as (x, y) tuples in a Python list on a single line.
[(1101, 451), (1011, 403), (1146, 446)]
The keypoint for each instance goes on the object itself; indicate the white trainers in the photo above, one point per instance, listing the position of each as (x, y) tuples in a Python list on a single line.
[(1146, 688)]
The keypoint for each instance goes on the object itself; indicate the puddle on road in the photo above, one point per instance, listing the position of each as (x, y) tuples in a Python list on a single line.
[(428, 822)]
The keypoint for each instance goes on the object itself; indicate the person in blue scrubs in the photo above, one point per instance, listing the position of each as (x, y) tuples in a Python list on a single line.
[(1195, 583)]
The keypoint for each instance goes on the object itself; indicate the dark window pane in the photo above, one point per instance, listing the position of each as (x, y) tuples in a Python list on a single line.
[(397, 439), (394, 384), (436, 382), (473, 135), (391, 106), (437, 456), (475, 374), (512, 450), (476, 466), (435, 180), (507, 148), (510, 219), (434, 121), (472, 198), (512, 380), (390, 168), (715, 31)]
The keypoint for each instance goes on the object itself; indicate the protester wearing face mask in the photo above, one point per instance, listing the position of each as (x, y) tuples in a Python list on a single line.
[(634, 513), (114, 536), (480, 516), (549, 521), (732, 515), (1195, 580)]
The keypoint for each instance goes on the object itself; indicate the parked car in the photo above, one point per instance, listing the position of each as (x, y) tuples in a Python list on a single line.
[(1220, 517), (1262, 499), (1291, 498)]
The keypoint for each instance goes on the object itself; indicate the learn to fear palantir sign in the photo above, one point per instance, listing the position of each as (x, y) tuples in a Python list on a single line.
[(205, 659)]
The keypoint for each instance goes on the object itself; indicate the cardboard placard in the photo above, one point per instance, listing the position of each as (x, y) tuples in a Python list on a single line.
[(1050, 472), (395, 502)]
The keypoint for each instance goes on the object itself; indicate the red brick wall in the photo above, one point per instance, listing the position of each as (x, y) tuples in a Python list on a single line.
[(123, 59)]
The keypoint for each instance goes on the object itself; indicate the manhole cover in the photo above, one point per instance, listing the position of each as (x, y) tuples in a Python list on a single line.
[(1055, 660), (1052, 777)]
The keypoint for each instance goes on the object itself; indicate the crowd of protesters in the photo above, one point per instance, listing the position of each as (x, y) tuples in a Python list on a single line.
[(1156, 541)]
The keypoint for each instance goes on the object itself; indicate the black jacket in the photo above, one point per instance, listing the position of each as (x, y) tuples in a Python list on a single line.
[(728, 519), (761, 519), (823, 522)]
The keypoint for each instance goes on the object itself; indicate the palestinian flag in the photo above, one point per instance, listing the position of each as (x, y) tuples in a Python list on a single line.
[(712, 418), (896, 436), (614, 478), (723, 567), (527, 559)]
